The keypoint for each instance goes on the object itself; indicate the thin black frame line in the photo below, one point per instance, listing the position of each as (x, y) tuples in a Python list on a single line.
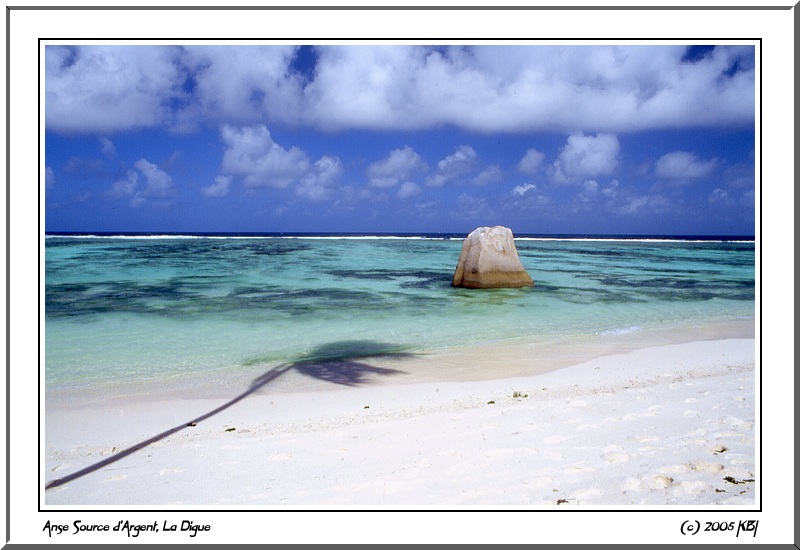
[(760, 500), (40, 262), (760, 240), (403, 8), (796, 66), (8, 277), (414, 40)]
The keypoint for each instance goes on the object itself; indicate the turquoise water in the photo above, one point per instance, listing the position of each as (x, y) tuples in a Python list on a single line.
[(132, 308)]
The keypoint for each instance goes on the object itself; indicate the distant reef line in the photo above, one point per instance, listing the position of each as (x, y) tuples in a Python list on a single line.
[(398, 235)]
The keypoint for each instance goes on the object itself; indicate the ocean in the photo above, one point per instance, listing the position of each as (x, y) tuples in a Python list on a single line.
[(143, 307)]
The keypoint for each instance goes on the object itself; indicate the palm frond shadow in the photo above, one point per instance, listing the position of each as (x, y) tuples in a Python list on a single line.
[(337, 362)]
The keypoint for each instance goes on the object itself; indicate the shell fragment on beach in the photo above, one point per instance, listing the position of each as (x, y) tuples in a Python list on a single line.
[(663, 481)]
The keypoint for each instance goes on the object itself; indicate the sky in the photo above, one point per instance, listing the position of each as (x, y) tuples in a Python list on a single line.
[(544, 139)]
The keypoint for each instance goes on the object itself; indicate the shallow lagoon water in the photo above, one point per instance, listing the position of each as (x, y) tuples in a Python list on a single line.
[(121, 309)]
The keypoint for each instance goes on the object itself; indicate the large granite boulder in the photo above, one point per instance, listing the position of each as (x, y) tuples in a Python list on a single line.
[(489, 260)]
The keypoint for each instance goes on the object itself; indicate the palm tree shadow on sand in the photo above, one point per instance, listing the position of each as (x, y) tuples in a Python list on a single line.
[(337, 362)]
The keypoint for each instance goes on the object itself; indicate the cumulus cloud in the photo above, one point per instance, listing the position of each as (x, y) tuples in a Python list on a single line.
[(522, 189), (592, 192), (116, 88), (629, 203), (523, 88), (401, 164), (319, 183), (109, 88), (634, 205), (124, 187), (584, 157), (490, 174), (683, 166), (159, 183), (84, 167), (531, 162), (219, 188), (49, 178), (740, 176), (468, 206), (720, 197), (252, 154), (107, 146), (363, 87), (596, 88), (408, 189), (454, 167), (618, 200), (527, 197), (158, 187), (429, 209), (239, 85)]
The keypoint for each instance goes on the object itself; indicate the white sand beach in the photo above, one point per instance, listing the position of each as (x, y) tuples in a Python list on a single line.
[(661, 425)]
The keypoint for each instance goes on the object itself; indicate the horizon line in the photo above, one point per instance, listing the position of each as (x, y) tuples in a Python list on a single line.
[(689, 236)]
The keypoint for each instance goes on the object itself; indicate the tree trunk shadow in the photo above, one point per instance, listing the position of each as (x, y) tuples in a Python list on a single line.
[(335, 362)]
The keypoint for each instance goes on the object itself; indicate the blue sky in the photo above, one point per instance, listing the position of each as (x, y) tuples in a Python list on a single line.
[(653, 139)]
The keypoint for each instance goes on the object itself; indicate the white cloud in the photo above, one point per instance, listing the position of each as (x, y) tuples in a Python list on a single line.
[(107, 146), (522, 189), (633, 205), (454, 167), (740, 176), (219, 188), (49, 178), (595, 88), (251, 153), (720, 197), (109, 88), (429, 209), (610, 192), (125, 187), (159, 183), (590, 190), (612, 198), (158, 186), (586, 157), (319, 183), (680, 165), (84, 167), (557, 88), (490, 174), (240, 85), (627, 203), (531, 162), (401, 164), (527, 197), (593, 193), (468, 206), (408, 189)]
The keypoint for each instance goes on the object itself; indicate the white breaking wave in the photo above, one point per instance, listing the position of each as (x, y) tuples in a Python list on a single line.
[(620, 331)]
